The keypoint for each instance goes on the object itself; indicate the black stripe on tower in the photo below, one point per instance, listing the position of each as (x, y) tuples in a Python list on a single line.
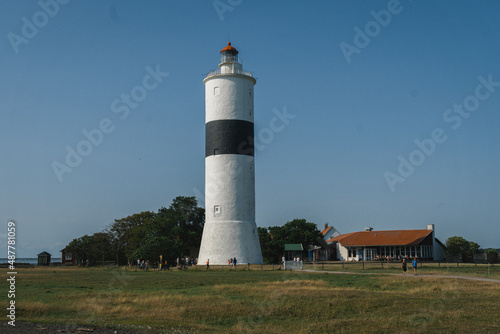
[(229, 136)]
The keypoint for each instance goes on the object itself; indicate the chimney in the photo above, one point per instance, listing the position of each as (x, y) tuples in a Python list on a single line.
[(368, 229), (430, 227), (326, 225)]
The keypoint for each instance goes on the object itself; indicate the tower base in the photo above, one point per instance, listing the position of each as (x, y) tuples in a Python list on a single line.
[(224, 240)]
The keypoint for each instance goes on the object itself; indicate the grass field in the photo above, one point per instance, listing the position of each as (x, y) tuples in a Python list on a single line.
[(255, 301), (428, 268)]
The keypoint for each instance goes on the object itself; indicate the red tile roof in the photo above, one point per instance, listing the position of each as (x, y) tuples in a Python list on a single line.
[(326, 230), (381, 238)]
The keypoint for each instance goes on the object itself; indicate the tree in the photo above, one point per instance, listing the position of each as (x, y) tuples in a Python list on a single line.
[(274, 238), (299, 231), (473, 248), (457, 245), (99, 248), (178, 227), (154, 246), (89, 250), (268, 246), (129, 233), (78, 247), (184, 220), (170, 232), (491, 255), (460, 246)]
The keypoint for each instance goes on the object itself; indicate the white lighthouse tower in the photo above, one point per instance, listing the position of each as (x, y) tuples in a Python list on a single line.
[(230, 230)]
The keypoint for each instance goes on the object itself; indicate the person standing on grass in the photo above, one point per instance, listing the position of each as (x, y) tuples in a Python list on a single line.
[(403, 266), (234, 262), (208, 264), (414, 263)]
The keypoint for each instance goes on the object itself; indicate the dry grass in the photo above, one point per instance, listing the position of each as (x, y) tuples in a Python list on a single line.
[(257, 301)]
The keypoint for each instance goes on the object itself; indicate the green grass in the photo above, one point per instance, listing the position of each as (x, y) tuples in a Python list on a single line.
[(254, 301), (462, 269)]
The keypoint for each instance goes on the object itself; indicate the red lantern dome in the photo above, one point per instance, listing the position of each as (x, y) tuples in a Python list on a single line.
[(230, 49)]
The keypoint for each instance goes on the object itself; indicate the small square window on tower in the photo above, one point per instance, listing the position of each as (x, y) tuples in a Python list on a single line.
[(216, 209), (216, 90), (216, 151)]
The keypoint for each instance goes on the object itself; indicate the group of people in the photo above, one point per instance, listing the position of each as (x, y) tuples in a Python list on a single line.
[(232, 262), (183, 262), (404, 265), (157, 265)]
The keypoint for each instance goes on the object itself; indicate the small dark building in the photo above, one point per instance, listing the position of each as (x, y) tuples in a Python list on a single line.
[(67, 257), (44, 259)]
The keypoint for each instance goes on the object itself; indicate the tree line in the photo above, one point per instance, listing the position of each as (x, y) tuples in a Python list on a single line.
[(170, 232), (459, 246), (175, 232)]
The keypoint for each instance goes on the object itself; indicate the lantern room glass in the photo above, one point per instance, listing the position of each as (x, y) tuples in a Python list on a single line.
[(228, 57)]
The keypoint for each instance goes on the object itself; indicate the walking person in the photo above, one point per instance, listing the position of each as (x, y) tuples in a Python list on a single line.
[(403, 266), (234, 262), (414, 264), (208, 264)]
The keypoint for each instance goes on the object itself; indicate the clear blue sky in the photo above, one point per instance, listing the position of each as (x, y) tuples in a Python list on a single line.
[(357, 112)]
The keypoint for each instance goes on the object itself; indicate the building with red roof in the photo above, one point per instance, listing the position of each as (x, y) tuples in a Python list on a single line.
[(329, 232), (377, 245), (324, 252)]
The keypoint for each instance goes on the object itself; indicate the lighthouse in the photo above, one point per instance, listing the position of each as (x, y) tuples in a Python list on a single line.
[(230, 230)]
